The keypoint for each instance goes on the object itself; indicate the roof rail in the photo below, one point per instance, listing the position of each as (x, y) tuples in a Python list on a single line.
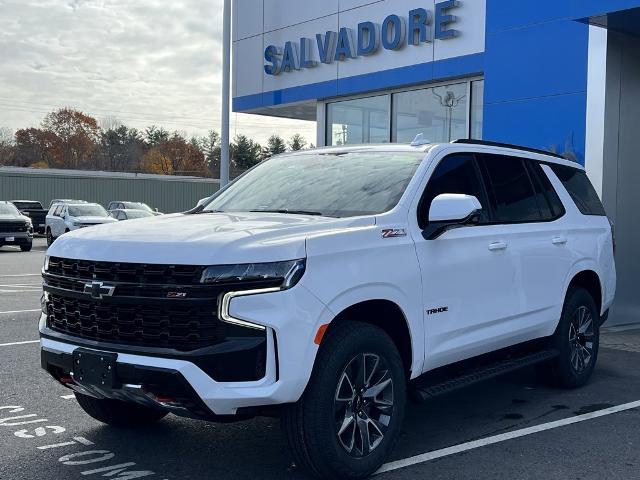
[(508, 145)]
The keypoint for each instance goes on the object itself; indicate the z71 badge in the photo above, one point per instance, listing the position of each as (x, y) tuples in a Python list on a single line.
[(177, 295)]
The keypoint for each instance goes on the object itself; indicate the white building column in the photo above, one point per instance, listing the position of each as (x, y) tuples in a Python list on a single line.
[(596, 94)]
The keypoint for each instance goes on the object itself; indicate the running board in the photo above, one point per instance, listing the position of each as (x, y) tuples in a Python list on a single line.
[(422, 391)]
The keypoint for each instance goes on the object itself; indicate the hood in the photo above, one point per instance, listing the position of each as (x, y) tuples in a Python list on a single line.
[(16, 218), (89, 219), (204, 239)]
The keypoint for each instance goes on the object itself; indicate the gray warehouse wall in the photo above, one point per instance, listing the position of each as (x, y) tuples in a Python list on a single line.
[(165, 193), (621, 174)]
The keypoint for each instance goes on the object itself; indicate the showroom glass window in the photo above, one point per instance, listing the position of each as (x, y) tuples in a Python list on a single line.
[(440, 113), (477, 108), (365, 120)]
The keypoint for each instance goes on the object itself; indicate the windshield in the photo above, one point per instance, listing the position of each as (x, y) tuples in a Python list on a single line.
[(137, 206), (138, 214), (330, 184), (25, 205), (87, 211), (8, 209)]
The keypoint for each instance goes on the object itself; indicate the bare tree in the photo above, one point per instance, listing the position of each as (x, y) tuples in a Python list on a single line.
[(110, 123)]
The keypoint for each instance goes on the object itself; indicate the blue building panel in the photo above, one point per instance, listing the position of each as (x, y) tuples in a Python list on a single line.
[(538, 60), (555, 123)]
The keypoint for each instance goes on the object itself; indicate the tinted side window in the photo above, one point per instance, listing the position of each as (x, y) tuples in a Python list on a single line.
[(510, 190), (579, 187), (454, 174), (550, 204), (58, 211)]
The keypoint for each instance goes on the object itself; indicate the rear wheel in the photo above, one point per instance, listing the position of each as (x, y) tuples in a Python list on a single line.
[(349, 418), (117, 413), (577, 339)]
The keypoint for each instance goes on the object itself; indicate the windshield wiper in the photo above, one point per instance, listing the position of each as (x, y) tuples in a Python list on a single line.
[(290, 212)]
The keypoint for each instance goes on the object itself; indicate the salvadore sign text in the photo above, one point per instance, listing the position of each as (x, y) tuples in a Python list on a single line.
[(395, 32)]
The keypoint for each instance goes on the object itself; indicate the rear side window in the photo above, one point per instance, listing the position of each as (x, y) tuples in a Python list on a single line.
[(579, 187), (549, 203), (510, 190), (456, 173)]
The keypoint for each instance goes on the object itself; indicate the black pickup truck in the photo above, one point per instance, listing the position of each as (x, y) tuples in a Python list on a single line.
[(33, 209)]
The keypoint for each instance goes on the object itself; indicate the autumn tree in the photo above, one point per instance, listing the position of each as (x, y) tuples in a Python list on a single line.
[(155, 161), (76, 137), (33, 145), (187, 159), (297, 142)]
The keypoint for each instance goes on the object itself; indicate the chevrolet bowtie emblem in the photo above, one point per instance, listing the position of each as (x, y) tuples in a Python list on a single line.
[(98, 290)]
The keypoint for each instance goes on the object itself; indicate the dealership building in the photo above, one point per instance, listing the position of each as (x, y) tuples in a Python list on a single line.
[(561, 75)]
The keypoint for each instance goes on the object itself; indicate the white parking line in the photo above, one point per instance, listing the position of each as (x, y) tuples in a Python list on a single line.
[(19, 343), (9, 312), (463, 447), (68, 397)]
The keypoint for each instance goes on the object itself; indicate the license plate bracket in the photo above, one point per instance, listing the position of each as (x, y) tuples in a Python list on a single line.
[(95, 368), (9, 239)]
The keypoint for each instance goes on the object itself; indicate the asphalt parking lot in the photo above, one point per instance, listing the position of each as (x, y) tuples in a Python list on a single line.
[(510, 428)]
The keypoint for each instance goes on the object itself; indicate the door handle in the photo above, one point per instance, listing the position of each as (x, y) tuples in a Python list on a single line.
[(559, 240), (495, 246)]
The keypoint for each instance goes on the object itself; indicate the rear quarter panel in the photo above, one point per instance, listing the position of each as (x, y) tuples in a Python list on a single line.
[(591, 243)]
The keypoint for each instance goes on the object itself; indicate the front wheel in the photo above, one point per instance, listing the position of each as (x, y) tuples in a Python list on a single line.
[(50, 238), (349, 417), (117, 413), (577, 339)]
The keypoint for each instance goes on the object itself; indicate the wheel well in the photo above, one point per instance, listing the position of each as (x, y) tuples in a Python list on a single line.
[(387, 316), (589, 280)]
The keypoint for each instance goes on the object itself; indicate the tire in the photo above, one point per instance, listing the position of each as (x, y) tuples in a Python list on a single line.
[(117, 413), (577, 339), (50, 238), (27, 247), (312, 425)]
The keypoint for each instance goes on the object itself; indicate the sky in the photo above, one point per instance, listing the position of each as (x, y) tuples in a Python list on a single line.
[(142, 62)]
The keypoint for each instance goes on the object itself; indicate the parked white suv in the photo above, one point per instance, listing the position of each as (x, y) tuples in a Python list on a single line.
[(66, 217), (327, 285)]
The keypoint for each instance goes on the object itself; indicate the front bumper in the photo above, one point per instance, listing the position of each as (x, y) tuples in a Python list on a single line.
[(291, 319), (17, 238)]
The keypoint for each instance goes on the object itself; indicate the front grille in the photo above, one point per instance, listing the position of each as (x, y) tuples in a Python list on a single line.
[(13, 227), (126, 272), (175, 327), (143, 308)]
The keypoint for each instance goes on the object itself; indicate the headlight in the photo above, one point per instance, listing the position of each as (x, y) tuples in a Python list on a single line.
[(46, 263), (277, 274)]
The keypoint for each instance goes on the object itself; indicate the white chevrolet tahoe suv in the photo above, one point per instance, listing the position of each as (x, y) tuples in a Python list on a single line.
[(328, 286)]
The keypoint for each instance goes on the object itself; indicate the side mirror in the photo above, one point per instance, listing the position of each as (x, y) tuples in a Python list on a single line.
[(450, 210)]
